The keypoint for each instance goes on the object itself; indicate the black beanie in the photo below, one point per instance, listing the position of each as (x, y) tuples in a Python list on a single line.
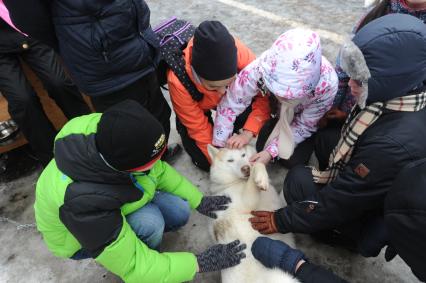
[(214, 54), (129, 137)]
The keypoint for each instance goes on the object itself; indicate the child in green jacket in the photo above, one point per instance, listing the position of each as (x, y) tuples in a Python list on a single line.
[(107, 195)]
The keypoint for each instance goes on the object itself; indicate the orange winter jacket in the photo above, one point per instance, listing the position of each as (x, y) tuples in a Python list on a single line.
[(191, 112)]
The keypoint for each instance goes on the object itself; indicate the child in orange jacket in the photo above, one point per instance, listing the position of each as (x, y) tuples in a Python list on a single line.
[(213, 59)]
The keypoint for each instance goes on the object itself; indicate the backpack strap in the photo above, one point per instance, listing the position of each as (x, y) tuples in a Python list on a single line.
[(174, 35), (177, 64)]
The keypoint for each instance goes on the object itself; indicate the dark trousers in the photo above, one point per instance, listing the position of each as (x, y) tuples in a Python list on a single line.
[(366, 235), (197, 156), (311, 273), (325, 140), (147, 92), (301, 154), (23, 103)]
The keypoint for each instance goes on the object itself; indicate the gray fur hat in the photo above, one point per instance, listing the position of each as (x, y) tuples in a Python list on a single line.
[(388, 56)]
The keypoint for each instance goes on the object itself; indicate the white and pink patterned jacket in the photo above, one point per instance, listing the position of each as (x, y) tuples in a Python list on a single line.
[(293, 68)]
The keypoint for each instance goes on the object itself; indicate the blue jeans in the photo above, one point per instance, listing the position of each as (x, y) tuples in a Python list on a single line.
[(166, 212)]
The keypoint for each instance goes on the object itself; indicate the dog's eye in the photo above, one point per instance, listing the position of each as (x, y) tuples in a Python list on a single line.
[(230, 160), (243, 155)]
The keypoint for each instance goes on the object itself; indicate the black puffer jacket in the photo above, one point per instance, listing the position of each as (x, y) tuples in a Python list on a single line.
[(405, 216), (33, 18), (387, 146), (106, 44)]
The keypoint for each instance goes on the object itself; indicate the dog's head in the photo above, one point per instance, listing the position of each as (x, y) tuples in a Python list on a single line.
[(229, 165)]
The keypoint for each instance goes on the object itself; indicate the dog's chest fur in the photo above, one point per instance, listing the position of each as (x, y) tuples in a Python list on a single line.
[(233, 224)]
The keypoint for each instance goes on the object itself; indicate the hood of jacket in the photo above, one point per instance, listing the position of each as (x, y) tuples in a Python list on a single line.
[(77, 157), (291, 68), (389, 56)]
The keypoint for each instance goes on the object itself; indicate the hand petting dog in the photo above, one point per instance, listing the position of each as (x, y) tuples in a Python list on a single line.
[(210, 204), (264, 222)]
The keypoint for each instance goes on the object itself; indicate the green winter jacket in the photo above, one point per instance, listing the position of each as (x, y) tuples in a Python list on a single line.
[(82, 203)]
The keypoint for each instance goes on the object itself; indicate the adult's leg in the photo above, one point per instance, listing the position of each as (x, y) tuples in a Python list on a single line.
[(301, 155), (148, 224), (264, 133), (197, 156), (25, 108), (299, 184), (373, 235), (241, 119), (175, 210), (156, 103), (325, 141), (366, 235), (299, 187), (147, 92), (46, 64), (312, 273)]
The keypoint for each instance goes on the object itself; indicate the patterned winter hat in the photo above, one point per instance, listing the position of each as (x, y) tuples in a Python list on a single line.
[(291, 67)]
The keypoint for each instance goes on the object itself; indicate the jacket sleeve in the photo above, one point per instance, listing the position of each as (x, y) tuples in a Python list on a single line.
[(272, 147), (169, 180), (190, 114), (260, 107), (349, 196), (311, 273), (111, 241), (133, 261), (238, 97)]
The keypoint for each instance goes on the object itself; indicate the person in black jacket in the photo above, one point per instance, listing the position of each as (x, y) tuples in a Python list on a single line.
[(386, 61), (112, 53), (405, 217), (25, 35)]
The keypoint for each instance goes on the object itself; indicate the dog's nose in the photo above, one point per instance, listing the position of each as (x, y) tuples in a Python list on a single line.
[(245, 170)]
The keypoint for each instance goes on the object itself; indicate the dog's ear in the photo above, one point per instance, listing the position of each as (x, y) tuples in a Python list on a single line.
[(212, 151)]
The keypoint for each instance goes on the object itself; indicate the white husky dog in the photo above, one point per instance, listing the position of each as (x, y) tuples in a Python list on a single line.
[(249, 189)]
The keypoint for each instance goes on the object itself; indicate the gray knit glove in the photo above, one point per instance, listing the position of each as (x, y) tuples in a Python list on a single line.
[(210, 204), (221, 256)]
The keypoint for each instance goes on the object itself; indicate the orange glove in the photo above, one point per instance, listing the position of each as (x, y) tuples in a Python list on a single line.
[(264, 222)]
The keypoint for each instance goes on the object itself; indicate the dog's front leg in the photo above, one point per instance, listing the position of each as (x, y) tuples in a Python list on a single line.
[(259, 176)]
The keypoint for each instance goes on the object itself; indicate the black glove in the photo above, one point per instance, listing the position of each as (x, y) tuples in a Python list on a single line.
[(221, 256), (273, 253), (209, 204)]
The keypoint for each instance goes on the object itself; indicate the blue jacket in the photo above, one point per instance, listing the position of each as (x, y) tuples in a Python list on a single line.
[(405, 216), (106, 44)]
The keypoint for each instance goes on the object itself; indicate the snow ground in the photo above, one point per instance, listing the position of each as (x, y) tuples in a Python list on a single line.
[(25, 258)]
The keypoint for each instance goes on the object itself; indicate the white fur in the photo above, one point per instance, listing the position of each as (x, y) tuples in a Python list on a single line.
[(247, 194), (353, 62)]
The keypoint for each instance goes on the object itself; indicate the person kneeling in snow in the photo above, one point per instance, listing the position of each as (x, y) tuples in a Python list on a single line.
[(107, 195), (347, 203)]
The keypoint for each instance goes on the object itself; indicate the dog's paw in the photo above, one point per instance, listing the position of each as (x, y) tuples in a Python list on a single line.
[(260, 176)]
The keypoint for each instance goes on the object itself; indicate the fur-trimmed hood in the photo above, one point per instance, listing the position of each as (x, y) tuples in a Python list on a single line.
[(389, 56)]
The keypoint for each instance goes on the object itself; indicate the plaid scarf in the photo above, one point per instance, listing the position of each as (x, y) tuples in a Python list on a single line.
[(358, 121)]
